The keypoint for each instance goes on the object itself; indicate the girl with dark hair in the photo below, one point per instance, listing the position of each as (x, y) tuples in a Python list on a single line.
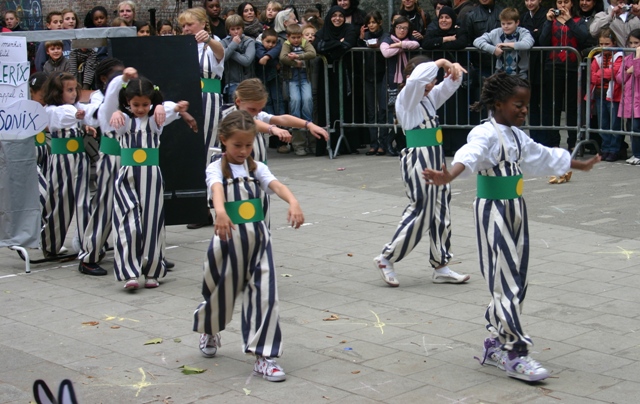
[(99, 224), (428, 209), (249, 14), (499, 152), (417, 17), (68, 171), (97, 17), (138, 215)]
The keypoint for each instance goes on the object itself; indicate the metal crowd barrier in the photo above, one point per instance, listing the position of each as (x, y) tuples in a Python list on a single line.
[(455, 114)]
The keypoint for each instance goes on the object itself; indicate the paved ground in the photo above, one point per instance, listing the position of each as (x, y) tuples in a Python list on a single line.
[(415, 343)]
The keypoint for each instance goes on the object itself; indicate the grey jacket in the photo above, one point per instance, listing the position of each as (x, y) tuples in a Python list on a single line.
[(520, 53)]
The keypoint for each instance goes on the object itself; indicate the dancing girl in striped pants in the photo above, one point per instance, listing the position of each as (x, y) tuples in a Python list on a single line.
[(499, 153), (428, 209), (240, 259)]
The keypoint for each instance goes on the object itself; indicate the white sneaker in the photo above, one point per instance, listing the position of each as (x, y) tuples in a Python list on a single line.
[(132, 284), (633, 160), (386, 271), (449, 277), (209, 344), (525, 368), (269, 369), (301, 152)]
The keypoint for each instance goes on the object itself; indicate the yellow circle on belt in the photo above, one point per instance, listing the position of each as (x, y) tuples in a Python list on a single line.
[(520, 187), (201, 84), (72, 145), (247, 210), (40, 137), (139, 156), (439, 135)]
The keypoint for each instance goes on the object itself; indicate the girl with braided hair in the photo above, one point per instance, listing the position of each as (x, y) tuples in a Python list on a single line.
[(499, 153), (240, 259)]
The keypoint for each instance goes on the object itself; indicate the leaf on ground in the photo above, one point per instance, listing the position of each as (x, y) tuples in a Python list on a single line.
[(115, 327), (177, 340), (333, 317), (91, 323), (349, 255), (154, 341), (246, 391), (188, 370), (286, 275), (355, 372)]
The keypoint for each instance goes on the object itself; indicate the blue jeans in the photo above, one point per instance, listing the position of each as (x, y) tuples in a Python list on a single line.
[(229, 92), (607, 112), (275, 104), (300, 98)]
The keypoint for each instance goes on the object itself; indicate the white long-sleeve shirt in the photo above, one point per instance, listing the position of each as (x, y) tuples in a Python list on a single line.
[(410, 114), (482, 152)]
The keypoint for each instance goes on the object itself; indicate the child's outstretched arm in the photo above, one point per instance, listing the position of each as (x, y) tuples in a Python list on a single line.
[(435, 177), (295, 122), (223, 225), (294, 216), (586, 165), (273, 130)]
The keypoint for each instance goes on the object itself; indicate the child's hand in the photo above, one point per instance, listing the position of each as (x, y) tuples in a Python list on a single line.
[(190, 120), (91, 131), (586, 165), (236, 39), (417, 35), (295, 216), (318, 131), (117, 120), (436, 177), (223, 226), (282, 134), (202, 36), (498, 51), (181, 106), (454, 71), (263, 60), (80, 114), (129, 73), (292, 56), (160, 115)]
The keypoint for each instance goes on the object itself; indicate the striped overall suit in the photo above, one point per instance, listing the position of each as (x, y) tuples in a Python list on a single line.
[(242, 265), (43, 151), (503, 248), (428, 210), (138, 214), (99, 225), (210, 75), (67, 181)]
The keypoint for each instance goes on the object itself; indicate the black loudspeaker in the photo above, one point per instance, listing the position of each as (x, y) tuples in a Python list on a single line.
[(171, 63)]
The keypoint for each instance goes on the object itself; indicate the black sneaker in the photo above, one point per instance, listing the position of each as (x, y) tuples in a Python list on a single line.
[(91, 269)]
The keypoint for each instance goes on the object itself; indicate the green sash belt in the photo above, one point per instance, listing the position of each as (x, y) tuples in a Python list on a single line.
[(211, 85), (41, 139), (110, 146), (509, 187), (248, 211), (140, 157), (424, 137), (67, 145)]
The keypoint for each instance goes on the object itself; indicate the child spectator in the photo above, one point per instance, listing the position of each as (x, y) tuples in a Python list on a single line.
[(164, 28), (53, 22), (375, 85), (56, 63), (240, 51), (143, 28), (269, 17), (309, 33), (606, 93), (267, 58), (509, 43), (629, 76), (294, 56), (118, 22), (82, 64)]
